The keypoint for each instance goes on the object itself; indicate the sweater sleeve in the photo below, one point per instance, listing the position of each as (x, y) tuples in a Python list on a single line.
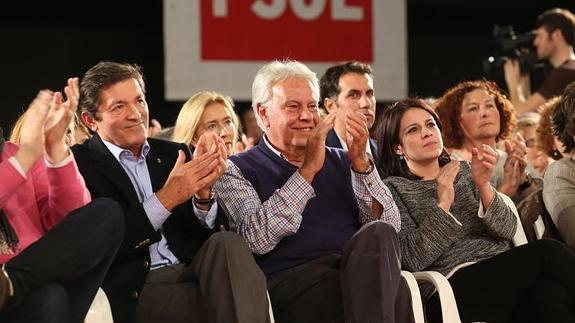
[(499, 219), (60, 190), (370, 186), (422, 243), (12, 180)]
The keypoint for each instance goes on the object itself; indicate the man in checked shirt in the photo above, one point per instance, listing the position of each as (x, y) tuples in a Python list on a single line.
[(305, 209)]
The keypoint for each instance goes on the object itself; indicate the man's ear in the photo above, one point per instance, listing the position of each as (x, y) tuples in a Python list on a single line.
[(553, 35), (89, 121), (263, 114), (329, 104)]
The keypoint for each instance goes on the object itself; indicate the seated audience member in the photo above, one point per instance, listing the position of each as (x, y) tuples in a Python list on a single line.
[(305, 209), (76, 132), (252, 133), (475, 113), (79, 133), (536, 158), (454, 222), (207, 112), (545, 139), (559, 188), (154, 128), (347, 88), (55, 246), (17, 129), (173, 265), (165, 133)]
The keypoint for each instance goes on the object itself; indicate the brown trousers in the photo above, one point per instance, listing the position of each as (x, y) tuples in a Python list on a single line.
[(222, 284)]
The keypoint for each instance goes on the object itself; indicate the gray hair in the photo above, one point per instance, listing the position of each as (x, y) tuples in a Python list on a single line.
[(271, 74)]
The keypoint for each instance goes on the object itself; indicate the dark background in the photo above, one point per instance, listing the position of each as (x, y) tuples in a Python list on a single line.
[(43, 44)]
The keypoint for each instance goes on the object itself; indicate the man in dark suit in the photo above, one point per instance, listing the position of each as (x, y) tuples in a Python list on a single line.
[(346, 88), (173, 265)]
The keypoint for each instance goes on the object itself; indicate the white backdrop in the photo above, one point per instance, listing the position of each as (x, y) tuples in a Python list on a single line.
[(220, 44)]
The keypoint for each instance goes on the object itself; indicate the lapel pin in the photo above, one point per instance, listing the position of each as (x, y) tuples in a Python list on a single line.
[(159, 160)]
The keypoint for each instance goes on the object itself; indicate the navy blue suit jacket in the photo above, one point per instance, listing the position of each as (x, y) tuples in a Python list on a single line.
[(332, 140)]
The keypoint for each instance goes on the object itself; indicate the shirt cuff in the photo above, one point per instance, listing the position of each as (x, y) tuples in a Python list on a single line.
[(366, 184), (454, 219), (300, 189), (17, 165), (207, 217), (64, 162), (156, 212), (480, 211)]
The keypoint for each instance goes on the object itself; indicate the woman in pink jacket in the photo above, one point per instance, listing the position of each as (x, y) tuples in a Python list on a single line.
[(55, 246)]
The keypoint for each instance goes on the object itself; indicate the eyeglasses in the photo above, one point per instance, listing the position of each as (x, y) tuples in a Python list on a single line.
[(217, 127)]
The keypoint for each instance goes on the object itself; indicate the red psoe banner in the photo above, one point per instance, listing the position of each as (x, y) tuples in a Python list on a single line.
[(220, 44), (313, 31)]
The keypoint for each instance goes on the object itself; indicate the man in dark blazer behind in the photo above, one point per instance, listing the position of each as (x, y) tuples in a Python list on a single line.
[(173, 265), (332, 140), (346, 88)]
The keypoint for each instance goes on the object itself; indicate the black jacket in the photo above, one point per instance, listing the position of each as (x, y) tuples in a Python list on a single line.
[(185, 234), (332, 140)]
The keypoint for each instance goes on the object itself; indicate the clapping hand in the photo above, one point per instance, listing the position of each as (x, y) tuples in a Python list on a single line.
[(32, 131), (188, 178), (515, 165), (58, 121), (445, 189), (357, 137), (483, 160), (315, 148), (211, 143)]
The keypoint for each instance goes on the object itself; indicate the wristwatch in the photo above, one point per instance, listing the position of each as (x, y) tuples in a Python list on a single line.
[(207, 201), (369, 168)]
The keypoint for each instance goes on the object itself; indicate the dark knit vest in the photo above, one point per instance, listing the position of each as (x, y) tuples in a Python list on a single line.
[(329, 219)]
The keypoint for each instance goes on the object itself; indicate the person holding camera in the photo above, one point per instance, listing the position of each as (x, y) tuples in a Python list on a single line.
[(555, 32)]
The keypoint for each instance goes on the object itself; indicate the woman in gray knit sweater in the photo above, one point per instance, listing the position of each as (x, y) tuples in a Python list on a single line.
[(454, 222)]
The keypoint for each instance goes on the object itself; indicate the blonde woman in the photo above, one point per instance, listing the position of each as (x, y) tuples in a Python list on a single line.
[(207, 111)]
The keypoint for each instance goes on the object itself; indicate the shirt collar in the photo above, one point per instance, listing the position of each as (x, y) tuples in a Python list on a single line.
[(272, 148), (120, 152)]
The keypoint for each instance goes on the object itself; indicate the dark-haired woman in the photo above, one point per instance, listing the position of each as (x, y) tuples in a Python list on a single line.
[(559, 189), (453, 221)]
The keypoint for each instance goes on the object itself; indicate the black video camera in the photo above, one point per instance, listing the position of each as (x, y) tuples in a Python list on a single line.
[(511, 46)]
